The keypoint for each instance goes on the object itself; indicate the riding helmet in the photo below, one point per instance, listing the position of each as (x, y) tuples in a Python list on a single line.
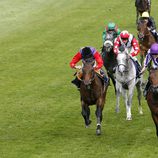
[(124, 34), (145, 15), (111, 26), (154, 49), (86, 53)]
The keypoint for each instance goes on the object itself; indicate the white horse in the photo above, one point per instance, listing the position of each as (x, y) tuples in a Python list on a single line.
[(126, 80)]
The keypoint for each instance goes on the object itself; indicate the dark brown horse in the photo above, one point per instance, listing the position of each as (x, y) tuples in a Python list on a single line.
[(146, 38), (92, 91), (152, 96), (141, 6), (109, 59)]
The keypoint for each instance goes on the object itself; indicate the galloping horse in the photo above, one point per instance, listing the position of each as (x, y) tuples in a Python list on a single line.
[(109, 58), (152, 96), (146, 39), (92, 91), (126, 80), (141, 6)]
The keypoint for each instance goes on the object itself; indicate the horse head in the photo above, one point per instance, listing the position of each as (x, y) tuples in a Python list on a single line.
[(107, 46), (143, 30), (88, 72), (122, 60)]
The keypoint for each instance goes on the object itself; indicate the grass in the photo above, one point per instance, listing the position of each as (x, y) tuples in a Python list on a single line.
[(39, 108)]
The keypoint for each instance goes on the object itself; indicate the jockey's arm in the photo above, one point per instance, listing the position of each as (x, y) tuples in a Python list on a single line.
[(152, 23), (146, 62), (99, 60), (116, 45), (135, 46), (75, 59)]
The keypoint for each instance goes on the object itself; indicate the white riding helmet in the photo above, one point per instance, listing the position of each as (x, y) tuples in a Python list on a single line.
[(145, 15)]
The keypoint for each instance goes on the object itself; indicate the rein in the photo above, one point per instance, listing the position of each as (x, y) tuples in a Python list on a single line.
[(130, 79)]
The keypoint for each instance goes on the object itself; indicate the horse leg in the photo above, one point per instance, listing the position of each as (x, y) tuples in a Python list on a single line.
[(155, 119), (113, 80), (118, 93), (86, 113), (139, 96), (127, 104), (98, 113)]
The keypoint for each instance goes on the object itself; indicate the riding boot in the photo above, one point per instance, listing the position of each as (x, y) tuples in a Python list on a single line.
[(106, 79), (138, 66), (76, 82), (146, 89)]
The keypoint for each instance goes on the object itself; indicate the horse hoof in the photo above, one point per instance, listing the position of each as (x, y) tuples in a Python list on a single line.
[(87, 125), (117, 110), (141, 112), (129, 118), (98, 130)]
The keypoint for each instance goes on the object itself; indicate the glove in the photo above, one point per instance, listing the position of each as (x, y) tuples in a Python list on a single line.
[(142, 71), (96, 68), (72, 65), (78, 67)]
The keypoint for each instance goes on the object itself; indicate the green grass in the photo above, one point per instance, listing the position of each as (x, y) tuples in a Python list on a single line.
[(39, 107)]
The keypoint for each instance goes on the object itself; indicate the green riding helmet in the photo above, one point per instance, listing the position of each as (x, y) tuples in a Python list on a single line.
[(111, 26)]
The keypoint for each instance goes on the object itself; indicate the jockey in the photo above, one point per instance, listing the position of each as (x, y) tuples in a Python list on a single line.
[(88, 54), (152, 55), (150, 24), (112, 29), (127, 40)]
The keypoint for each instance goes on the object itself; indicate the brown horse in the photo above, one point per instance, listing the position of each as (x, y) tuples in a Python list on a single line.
[(146, 38), (141, 6), (92, 91), (152, 96)]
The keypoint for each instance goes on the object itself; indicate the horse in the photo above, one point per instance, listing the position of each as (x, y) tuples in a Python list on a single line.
[(92, 91), (146, 39), (126, 80), (109, 59), (152, 96), (141, 6)]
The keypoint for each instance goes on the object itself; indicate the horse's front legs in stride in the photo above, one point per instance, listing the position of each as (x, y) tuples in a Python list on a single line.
[(99, 119), (86, 113)]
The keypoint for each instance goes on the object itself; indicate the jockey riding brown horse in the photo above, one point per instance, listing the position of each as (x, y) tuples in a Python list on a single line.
[(142, 6), (146, 38)]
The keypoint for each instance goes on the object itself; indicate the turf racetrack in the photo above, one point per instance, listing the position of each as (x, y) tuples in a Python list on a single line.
[(39, 107)]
